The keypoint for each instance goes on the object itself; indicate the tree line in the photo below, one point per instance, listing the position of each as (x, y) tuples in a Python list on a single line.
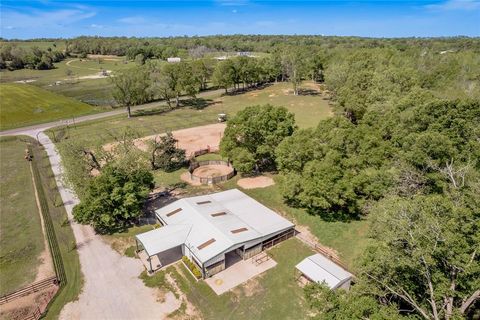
[(13, 57), (402, 149)]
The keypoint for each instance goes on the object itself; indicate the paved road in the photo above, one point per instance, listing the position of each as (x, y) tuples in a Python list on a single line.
[(48, 125)]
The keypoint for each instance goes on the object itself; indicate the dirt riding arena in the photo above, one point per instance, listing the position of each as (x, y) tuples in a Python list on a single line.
[(206, 172), (212, 170), (190, 139)]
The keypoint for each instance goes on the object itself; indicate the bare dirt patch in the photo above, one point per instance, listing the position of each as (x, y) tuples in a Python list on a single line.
[(190, 140), (212, 170), (256, 182), (23, 307), (308, 237)]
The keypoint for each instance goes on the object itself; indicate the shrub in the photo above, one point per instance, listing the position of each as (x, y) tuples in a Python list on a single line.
[(192, 266)]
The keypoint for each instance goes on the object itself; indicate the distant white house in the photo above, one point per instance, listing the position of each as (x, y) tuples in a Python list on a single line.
[(320, 269), (213, 230), (174, 59)]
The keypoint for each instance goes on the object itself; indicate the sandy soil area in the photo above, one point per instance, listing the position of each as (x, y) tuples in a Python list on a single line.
[(212, 170), (256, 182), (190, 139), (26, 81), (22, 307)]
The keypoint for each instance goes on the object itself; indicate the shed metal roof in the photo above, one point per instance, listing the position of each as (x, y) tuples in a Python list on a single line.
[(164, 238), (321, 269)]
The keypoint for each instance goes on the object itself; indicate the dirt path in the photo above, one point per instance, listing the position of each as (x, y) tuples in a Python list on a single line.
[(112, 289), (45, 267)]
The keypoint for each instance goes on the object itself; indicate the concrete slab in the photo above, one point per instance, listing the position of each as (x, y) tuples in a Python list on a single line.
[(238, 273), (161, 260)]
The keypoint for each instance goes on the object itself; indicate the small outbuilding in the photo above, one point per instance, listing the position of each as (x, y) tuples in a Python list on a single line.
[(320, 269)]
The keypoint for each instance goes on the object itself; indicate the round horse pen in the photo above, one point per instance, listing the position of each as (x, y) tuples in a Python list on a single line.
[(210, 171)]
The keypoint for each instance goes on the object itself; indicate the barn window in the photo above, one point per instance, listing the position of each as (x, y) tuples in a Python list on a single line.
[(218, 214), (206, 243), (173, 212), (239, 230)]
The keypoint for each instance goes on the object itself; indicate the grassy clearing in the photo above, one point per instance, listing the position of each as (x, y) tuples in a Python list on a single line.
[(21, 237), (275, 294), (23, 105), (308, 109), (65, 237)]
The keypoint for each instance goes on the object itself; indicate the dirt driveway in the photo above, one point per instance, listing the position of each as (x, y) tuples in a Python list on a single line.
[(112, 289)]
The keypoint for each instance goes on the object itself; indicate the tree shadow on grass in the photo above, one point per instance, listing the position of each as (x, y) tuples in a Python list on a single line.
[(151, 112), (308, 92), (198, 103), (252, 88)]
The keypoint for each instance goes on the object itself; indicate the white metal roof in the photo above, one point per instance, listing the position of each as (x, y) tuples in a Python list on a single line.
[(230, 217), (321, 269), (164, 238)]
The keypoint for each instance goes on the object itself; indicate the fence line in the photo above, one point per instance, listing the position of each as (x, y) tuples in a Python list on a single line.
[(322, 251), (49, 228), (34, 287)]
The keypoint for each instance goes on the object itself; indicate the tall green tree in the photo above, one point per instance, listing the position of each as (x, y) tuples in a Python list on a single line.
[(114, 199), (131, 87), (426, 254), (253, 134)]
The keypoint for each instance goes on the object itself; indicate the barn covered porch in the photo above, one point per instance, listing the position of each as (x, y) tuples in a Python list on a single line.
[(161, 247)]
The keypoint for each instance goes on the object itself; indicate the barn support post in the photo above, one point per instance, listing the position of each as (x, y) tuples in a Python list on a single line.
[(150, 262)]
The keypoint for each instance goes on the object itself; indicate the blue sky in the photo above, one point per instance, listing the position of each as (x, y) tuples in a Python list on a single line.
[(34, 19)]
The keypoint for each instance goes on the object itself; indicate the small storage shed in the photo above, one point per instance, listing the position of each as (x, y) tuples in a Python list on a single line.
[(320, 269)]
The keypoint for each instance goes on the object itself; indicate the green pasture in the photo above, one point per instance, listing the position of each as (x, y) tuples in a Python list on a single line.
[(308, 110), (21, 237), (23, 105)]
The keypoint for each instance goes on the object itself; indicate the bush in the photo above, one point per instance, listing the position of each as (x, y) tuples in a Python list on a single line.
[(192, 266)]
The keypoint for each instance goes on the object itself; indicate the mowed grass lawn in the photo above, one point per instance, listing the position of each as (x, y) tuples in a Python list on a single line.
[(308, 110), (272, 295), (21, 237), (23, 105)]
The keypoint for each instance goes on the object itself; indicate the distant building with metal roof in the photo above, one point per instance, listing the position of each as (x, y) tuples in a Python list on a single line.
[(320, 269), (206, 228)]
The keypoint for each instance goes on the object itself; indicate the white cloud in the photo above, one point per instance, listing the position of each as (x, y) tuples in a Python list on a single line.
[(232, 2), (133, 20), (455, 5), (40, 19)]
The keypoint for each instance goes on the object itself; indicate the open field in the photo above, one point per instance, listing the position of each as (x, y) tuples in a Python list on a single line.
[(21, 237), (308, 109), (77, 79), (43, 45), (23, 104), (275, 293)]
